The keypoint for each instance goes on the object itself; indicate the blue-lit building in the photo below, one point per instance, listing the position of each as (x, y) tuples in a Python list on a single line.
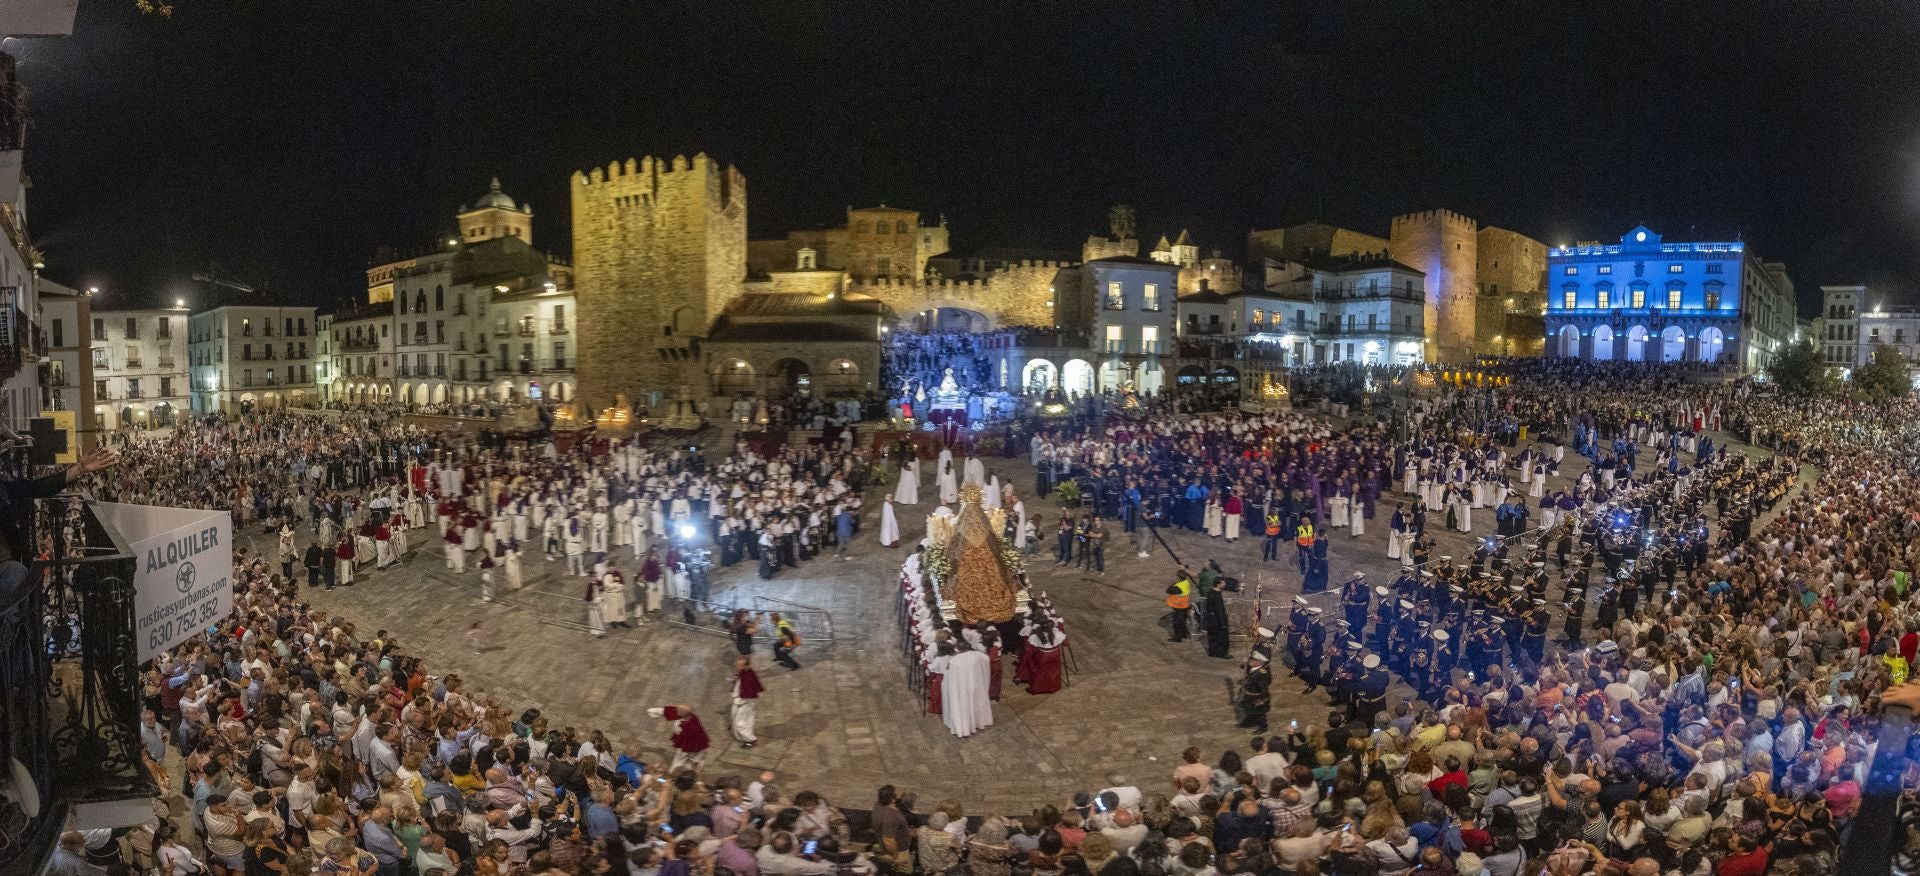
[(1648, 300)]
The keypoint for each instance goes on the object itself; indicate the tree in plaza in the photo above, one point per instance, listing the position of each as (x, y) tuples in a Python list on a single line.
[(1799, 370), (1884, 376)]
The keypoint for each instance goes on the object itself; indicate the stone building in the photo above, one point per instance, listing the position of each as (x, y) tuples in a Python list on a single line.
[(359, 367), (875, 243), (1310, 240), (1511, 271), (1854, 321), (140, 367), (773, 344), (247, 356), (1444, 246), (660, 247), (483, 316), (1648, 300), (66, 374)]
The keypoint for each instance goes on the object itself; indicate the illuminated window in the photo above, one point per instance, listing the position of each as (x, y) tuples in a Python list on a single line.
[(1572, 271), (1151, 296), (1639, 298), (1571, 297), (1116, 299), (1259, 318), (1713, 301), (1675, 269), (1116, 339), (1673, 299), (1600, 299), (1606, 269)]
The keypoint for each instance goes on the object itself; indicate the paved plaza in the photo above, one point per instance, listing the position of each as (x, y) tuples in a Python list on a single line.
[(847, 721)]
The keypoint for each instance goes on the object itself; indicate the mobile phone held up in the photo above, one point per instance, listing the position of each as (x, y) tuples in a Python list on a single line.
[(812, 846)]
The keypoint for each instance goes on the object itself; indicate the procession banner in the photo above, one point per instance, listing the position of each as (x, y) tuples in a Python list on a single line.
[(183, 569)]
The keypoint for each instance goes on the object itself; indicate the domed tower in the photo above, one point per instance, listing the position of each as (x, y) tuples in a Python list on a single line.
[(495, 215)]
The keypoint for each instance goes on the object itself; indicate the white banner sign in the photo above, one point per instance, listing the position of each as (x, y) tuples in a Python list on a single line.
[(182, 578)]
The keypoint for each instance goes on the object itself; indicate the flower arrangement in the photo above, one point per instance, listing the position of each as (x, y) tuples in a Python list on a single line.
[(938, 562)]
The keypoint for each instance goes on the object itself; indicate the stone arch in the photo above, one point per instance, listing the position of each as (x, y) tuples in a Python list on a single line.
[(1190, 376), (1039, 375), (562, 391), (953, 315), (1569, 342), (790, 377), (734, 376), (503, 389), (1711, 344), (1226, 374), (1673, 344), (1637, 343), (1077, 376), (1602, 342), (386, 392), (439, 393), (842, 378), (163, 414)]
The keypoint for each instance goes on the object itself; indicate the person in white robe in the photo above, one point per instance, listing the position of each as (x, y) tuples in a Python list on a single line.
[(964, 704), (1357, 515), (889, 525), (596, 615), (514, 576), (990, 497), (976, 472), (949, 479), (908, 491), (613, 598)]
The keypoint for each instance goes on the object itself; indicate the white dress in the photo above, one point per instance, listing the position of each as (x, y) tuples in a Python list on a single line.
[(889, 525), (1337, 508), (908, 492), (964, 704), (976, 472), (1357, 515), (949, 481)]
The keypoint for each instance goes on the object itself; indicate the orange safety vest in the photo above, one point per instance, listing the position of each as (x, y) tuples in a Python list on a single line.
[(1303, 536), (1273, 525), (1179, 599)]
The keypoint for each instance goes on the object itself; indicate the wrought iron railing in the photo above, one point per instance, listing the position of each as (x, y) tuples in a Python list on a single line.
[(69, 677)]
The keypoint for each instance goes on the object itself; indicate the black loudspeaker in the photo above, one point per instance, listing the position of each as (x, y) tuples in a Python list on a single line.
[(48, 441)]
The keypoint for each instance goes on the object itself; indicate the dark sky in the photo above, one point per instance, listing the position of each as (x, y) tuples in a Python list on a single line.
[(285, 140)]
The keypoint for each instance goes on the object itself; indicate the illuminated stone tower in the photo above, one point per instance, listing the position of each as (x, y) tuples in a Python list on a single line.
[(659, 247), (1445, 245)]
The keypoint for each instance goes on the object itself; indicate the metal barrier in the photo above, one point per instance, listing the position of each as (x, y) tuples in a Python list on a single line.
[(812, 624), (704, 616)]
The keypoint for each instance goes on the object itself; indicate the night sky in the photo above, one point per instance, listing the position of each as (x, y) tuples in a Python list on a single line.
[(284, 141)]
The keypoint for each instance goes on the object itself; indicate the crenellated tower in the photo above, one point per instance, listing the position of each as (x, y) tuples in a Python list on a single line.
[(1445, 246), (659, 248)]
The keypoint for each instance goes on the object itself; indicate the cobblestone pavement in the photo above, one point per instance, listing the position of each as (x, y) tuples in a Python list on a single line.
[(846, 722)]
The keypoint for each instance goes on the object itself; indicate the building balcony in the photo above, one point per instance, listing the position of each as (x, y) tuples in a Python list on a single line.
[(133, 363), (166, 363), (360, 346)]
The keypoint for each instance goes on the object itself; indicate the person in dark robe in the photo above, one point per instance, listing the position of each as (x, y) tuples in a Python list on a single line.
[(1215, 624)]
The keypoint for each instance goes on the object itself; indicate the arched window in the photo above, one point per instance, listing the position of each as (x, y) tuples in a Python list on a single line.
[(861, 227), (880, 227), (900, 227), (420, 300)]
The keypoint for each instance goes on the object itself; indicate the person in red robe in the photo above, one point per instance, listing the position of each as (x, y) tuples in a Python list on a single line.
[(990, 637), (1044, 674), (746, 701), (689, 736)]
